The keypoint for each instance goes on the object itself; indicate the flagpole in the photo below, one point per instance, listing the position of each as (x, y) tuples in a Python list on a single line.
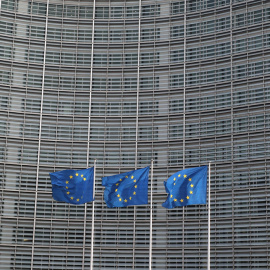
[(151, 216), (93, 219), (209, 223)]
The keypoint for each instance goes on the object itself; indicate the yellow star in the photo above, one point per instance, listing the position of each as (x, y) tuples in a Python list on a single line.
[(66, 182), (66, 187), (174, 179), (77, 174), (171, 196), (189, 179), (135, 186), (70, 176), (120, 180), (118, 195), (174, 184), (185, 175), (134, 181), (84, 179), (130, 198), (179, 175), (134, 193), (120, 199), (126, 176), (191, 192), (116, 190), (117, 184), (81, 175), (192, 185), (71, 198), (132, 177), (68, 193), (78, 200), (125, 200), (175, 200), (181, 200), (187, 197)]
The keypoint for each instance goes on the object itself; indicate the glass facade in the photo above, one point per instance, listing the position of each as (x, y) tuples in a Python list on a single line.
[(181, 81)]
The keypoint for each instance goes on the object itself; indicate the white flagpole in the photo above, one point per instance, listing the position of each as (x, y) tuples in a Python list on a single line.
[(151, 216), (209, 223), (93, 219)]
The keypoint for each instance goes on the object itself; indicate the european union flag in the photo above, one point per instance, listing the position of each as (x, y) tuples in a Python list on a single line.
[(186, 187), (130, 188), (73, 186)]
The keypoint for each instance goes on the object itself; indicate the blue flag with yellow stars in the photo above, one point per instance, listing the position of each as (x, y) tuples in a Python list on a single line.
[(186, 187), (73, 186), (130, 188)]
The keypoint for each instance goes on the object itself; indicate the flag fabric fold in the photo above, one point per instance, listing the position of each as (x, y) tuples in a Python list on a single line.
[(186, 187), (129, 188), (73, 186)]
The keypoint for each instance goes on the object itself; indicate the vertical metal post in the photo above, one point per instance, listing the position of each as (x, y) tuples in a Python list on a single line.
[(138, 85), (89, 132), (209, 220), (39, 135), (151, 216), (137, 124), (93, 220), (184, 127)]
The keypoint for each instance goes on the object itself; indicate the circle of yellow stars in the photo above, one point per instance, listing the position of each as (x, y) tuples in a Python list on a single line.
[(133, 194), (190, 192), (67, 182)]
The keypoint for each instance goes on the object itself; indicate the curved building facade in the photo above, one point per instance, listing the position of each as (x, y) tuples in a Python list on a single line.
[(181, 81)]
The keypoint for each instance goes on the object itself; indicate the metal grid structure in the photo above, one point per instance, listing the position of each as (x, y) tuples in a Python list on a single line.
[(180, 81)]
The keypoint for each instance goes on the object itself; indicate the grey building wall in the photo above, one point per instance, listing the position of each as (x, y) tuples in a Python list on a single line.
[(183, 82)]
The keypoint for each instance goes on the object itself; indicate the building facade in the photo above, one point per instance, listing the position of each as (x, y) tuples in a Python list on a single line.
[(182, 82)]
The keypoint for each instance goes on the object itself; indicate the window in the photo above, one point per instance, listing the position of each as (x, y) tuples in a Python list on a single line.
[(55, 10), (177, 7), (101, 35), (102, 12), (33, 80), (37, 8), (149, 83), (117, 12), (53, 57), (116, 36), (7, 28), (31, 105), (8, 5), (54, 34), (5, 77), (131, 59), (150, 34), (130, 84), (100, 60), (149, 58), (35, 56), (150, 11), (177, 31), (176, 106), (68, 58), (148, 107), (71, 11), (132, 35), (6, 52), (132, 12), (86, 12), (99, 84), (176, 81), (177, 56)]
